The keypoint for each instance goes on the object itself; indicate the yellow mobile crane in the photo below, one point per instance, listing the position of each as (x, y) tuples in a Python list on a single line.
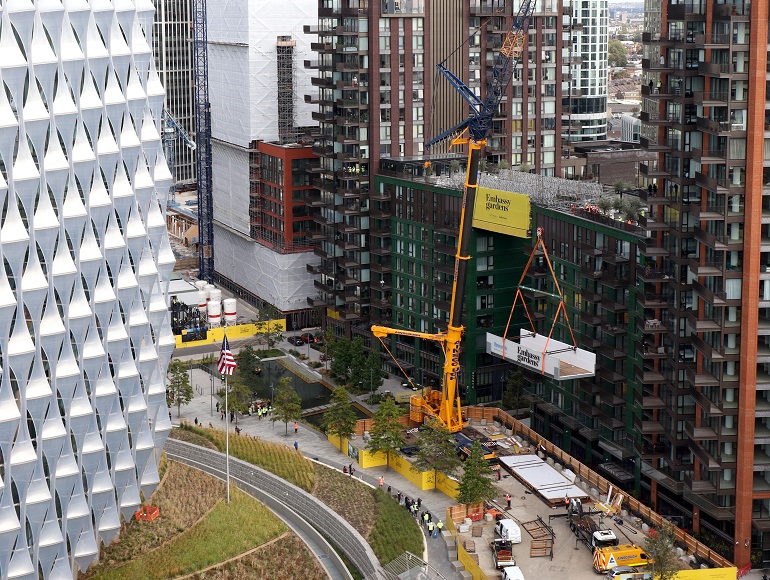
[(445, 405)]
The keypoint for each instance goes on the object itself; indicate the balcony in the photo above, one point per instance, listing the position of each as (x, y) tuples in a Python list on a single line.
[(702, 323), (701, 379), (718, 242), (715, 155), (708, 213), (652, 247), (653, 169), (713, 40), (699, 486), (706, 267), (650, 145), (712, 98), (652, 300)]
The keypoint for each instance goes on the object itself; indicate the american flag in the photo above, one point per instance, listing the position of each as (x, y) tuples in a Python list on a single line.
[(227, 362)]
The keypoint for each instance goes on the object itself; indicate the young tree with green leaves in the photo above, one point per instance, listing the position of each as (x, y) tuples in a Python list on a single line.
[(385, 436), (248, 368), (342, 357), (179, 391), (287, 405), (239, 395), (340, 418), (359, 373), (437, 450), (475, 483), (513, 395), (660, 545), (373, 371)]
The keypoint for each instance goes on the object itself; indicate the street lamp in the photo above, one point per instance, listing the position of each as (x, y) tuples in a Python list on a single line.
[(371, 383)]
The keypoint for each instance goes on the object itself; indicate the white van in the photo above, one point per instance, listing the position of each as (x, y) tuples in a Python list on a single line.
[(512, 573), (508, 530)]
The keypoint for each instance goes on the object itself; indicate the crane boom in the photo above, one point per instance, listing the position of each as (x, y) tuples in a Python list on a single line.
[(446, 405)]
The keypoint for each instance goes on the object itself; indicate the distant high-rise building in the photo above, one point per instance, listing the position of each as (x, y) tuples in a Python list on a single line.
[(85, 338), (172, 44), (260, 152), (585, 91)]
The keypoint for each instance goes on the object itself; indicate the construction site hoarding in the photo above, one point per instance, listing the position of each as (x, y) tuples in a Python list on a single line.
[(555, 359), (503, 212)]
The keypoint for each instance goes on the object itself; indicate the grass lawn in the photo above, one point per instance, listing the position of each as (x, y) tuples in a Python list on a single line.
[(271, 562), (395, 531), (226, 531), (388, 528), (278, 459)]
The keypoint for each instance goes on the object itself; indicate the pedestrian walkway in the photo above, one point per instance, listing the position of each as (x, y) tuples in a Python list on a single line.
[(313, 445)]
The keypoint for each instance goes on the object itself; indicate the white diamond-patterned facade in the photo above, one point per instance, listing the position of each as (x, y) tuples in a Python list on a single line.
[(85, 338)]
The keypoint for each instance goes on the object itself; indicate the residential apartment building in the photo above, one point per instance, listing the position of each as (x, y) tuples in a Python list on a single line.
[(376, 98), (676, 305), (259, 152), (706, 62), (172, 45), (413, 256), (584, 98), (86, 338)]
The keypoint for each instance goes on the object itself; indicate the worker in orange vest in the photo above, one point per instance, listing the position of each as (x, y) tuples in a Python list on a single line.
[(508, 499)]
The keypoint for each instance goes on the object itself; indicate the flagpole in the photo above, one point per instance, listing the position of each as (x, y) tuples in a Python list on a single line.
[(227, 442)]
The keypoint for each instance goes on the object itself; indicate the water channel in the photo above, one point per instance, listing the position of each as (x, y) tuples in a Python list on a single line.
[(313, 394)]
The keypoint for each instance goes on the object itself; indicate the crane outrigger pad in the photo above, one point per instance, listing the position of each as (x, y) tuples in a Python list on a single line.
[(554, 359)]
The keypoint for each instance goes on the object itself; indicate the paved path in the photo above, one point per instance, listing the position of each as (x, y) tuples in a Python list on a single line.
[(314, 445)]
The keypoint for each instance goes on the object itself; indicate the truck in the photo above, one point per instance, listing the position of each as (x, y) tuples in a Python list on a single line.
[(586, 529), (607, 558), (502, 553), (463, 446), (508, 530), (512, 573)]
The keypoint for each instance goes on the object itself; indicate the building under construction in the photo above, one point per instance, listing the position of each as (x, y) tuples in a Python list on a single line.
[(262, 242)]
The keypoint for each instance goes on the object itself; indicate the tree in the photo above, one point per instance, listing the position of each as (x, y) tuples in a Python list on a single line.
[(341, 359), (340, 418), (513, 395), (239, 395), (616, 54), (475, 484), (385, 436), (248, 367), (660, 546), (358, 373), (287, 405), (437, 450), (269, 330), (179, 391), (373, 370)]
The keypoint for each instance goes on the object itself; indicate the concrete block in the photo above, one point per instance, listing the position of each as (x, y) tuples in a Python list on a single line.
[(457, 566), (477, 531), (549, 461), (488, 517), (680, 552), (465, 575), (623, 513), (451, 555), (449, 542), (558, 466), (483, 422), (645, 528), (468, 521)]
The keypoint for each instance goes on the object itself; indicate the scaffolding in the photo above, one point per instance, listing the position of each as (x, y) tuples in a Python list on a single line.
[(287, 130)]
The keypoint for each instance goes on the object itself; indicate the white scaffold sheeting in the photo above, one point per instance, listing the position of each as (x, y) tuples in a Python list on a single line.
[(542, 478), (562, 361)]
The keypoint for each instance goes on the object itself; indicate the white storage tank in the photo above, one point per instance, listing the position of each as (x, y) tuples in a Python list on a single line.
[(215, 295), (230, 311), (208, 289), (200, 284), (215, 314), (202, 296)]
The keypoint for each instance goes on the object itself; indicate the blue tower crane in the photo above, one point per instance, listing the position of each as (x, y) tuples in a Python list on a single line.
[(445, 405), (203, 140), (172, 128)]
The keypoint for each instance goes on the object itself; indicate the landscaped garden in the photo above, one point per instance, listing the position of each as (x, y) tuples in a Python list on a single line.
[(389, 529), (198, 532)]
